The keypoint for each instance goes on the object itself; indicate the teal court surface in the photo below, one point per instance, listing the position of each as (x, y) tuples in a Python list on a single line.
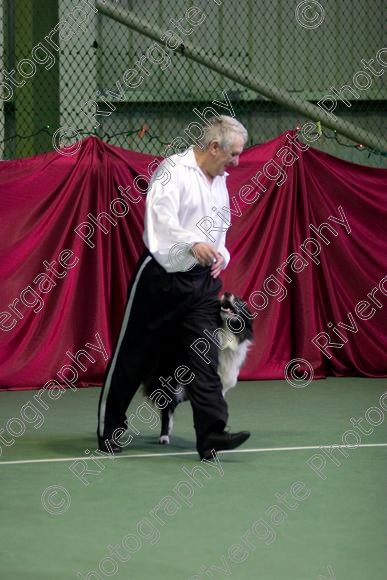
[(288, 505)]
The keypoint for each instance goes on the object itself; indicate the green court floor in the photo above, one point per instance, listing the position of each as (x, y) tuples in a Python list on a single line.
[(286, 506)]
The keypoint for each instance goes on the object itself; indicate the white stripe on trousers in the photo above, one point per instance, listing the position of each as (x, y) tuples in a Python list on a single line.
[(106, 387)]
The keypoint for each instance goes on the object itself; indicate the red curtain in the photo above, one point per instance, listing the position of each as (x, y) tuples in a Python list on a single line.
[(72, 233)]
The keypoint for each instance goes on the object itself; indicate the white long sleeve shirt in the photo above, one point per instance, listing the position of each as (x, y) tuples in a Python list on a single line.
[(180, 205)]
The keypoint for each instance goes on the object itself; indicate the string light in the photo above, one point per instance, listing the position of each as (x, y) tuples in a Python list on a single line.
[(42, 130), (144, 131), (140, 132), (359, 147), (334, 135)]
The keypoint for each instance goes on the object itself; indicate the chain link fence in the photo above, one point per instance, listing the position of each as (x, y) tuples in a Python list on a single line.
[(68, 69)]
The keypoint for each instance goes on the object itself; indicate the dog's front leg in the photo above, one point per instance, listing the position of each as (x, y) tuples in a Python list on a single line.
[(167, 422)]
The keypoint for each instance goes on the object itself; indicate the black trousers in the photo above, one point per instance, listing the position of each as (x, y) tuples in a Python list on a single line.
[(157, 303)]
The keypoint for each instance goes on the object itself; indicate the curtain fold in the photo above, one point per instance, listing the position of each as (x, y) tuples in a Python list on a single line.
[(307, 244)]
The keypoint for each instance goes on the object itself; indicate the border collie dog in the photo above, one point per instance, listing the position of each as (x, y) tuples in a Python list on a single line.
[(234, 338)]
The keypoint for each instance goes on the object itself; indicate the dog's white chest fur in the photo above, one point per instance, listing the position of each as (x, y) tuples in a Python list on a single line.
[(229, 340), (232, 355)]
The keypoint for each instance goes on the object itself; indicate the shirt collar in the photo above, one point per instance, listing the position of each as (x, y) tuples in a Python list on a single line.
[(189, 160)]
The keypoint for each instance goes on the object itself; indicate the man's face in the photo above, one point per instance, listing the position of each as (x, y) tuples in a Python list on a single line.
[(221, 158)]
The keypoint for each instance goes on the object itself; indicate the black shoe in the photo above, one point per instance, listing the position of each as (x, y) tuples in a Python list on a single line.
[(221, 442), (108, 445)]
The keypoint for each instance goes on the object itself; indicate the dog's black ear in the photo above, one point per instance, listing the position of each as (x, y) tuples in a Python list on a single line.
[(235, 324), (249, 328), (248, 318)]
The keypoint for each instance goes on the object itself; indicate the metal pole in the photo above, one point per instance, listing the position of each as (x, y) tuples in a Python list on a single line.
[(246, 79)]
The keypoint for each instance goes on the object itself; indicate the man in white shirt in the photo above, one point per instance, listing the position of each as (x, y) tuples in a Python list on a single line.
[(176, 285)]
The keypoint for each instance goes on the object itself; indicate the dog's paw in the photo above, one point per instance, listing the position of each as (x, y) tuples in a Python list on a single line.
[(164, 440)]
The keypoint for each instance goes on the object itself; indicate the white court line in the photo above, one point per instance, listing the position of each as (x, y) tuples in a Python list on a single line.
[(174, 453)]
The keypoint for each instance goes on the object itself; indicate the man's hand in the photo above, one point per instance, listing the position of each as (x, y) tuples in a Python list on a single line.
[(207, 255), (217, 266)]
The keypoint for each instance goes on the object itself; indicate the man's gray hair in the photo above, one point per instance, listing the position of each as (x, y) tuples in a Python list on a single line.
[(223, 130)]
